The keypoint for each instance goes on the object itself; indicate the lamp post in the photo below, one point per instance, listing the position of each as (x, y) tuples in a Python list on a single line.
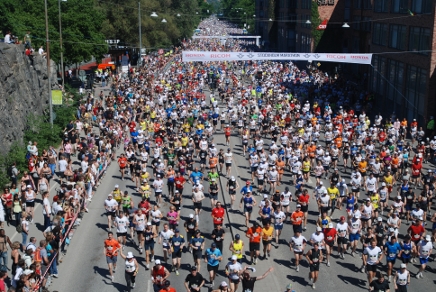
[(47, 41), (140, 34), (60, 43)]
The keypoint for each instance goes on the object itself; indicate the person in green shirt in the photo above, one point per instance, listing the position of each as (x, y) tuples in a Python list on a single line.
[(127, 202), (430, 127)]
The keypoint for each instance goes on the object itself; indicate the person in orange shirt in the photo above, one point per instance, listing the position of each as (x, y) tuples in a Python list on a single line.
[(297, 219), (166, 287), (312, 149), (254, 233), (280, 164), (213, 161), (122, 163), (362, 167), (111, 247)]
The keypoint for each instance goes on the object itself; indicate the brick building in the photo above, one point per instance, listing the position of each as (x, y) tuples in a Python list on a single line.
[(400, 33)]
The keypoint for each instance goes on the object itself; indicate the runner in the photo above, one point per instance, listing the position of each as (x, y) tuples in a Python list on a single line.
[(314, 256), (111, 248), (131, 270)]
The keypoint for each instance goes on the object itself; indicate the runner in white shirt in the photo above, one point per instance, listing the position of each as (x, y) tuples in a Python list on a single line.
[(297, 245), (164, 239), (121, 223), (371, 257), (279, 218), (318, 237), (342, 231), (139, 220), (425, 247), (111, 207)]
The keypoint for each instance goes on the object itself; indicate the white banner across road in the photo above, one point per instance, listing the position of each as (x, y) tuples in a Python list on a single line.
[(205, 56)]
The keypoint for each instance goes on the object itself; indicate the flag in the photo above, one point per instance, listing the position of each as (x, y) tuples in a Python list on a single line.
[(323, 25)]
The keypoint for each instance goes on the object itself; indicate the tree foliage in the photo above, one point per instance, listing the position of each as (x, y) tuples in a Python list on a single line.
[(121, 20), (316, 34), (81, 26), (233, 11)]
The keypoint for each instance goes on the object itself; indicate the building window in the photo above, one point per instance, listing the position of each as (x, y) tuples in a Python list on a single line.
[(378, 72), (399, 6), (306, 41), (367, 4), (306, 4), (381, 6), (397, 37), (380, 34), (422, 6), (357, 4), (366, 24), (396, 78), (416, 87), (356, 22), (419, 40)]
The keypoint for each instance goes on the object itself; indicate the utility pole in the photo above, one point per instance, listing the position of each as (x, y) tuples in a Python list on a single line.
[(47, 41), (60, 42), (140, 34)]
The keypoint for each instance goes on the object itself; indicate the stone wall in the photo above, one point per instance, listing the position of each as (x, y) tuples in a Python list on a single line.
[(23, 90)]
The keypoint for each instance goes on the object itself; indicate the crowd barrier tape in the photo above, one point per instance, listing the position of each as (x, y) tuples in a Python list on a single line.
[(107, 163)]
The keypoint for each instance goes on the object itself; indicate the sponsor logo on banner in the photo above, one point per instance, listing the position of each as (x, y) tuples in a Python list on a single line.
[(203, 56), (322, 25)]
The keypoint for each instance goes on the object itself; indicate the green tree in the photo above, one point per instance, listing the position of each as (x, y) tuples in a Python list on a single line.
[(316, 34)]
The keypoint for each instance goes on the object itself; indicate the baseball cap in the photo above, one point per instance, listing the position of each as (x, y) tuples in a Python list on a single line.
[(213, 245), (318, 228), (223, 284), (129, 255), (265, 196), (193, 268), (176, 230), (379, 219), (29, 186), (234, 257), (342, 218), (403, 266), (247, 182), (157, 262), (237, 236), (428, 237), (298, 206), (110, 195), (148, 223), (27, 272), (233, 178), (321, 183), (191, 215), (117, 186)]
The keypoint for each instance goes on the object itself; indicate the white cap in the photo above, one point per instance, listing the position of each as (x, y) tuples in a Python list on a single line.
[(233, 178), (383, 184), (234, 257), (223, 284), (116, 186), (148, 223), (110, 195), (265, 196), (157, 262), (379, 219), (428, 237), (29, 186), (403, 266), (321, 183), (129, 255), (191, 215), (318, 228), (27, 272)]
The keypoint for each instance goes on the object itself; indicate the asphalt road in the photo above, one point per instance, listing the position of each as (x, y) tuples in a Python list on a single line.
[(84, 267)]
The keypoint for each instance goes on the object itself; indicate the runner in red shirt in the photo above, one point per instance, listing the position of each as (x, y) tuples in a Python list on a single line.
[(227, 133), (145, 206), (122, 162), (218, 214), (330, 240), (416, 231), (179, 180), (416, 172), (132, 126)]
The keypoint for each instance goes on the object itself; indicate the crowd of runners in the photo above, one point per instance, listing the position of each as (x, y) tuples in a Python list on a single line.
[(289, 122)]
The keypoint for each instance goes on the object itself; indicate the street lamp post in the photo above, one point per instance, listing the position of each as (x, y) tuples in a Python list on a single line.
[(140, 34), (48, 64), (60, 43)]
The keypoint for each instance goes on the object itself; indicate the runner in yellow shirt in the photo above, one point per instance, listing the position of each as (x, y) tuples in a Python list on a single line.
[(375, 201), (333, 192), (267, 236)]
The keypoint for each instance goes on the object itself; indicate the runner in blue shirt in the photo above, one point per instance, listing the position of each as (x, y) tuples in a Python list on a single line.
[(213, 258), (391, 249)]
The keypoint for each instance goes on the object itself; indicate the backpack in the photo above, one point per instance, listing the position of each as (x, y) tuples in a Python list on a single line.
[(19, 228), (9, 171)]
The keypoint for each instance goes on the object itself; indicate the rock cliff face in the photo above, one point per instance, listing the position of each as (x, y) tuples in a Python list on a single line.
[(23, 90)]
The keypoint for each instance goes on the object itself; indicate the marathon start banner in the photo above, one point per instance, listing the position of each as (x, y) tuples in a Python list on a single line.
[(207, 56)]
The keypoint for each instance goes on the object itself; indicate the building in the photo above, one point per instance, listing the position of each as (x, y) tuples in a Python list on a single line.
[(400, 34)]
